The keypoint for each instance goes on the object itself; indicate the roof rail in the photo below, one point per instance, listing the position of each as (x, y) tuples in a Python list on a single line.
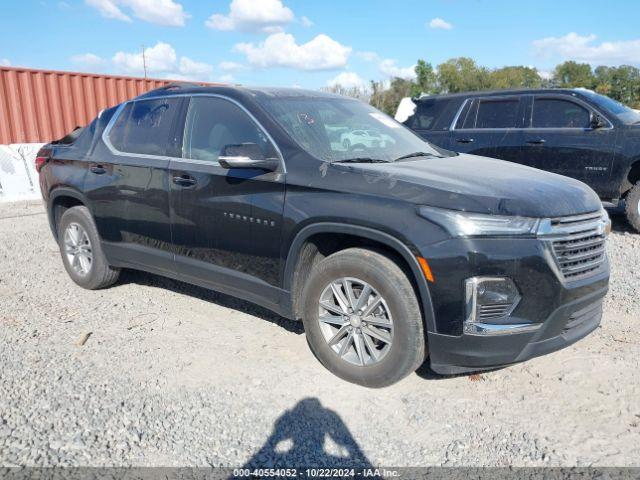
[(169, 88)]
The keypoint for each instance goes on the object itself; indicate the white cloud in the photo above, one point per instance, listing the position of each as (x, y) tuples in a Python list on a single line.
[(89, 61), (194, 70), (281, 50), (439, 23), (583, 48), (250, 15), (226, 78), (389, 68), (306, 22), (368, 56), (347, 80), (4, 62), (162, 61), (161, 12), (230, 66)]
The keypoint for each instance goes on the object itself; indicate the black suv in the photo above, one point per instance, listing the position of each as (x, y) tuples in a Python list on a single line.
[(389, 251), (577, 133)]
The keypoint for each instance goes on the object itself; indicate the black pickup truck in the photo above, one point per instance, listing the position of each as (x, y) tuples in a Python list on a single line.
[(389, 251), (572, 132)]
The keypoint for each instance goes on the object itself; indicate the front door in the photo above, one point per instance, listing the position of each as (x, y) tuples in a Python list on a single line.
[(560, 140), (226, 223)]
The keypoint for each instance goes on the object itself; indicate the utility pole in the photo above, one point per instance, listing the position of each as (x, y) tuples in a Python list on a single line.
[(144, 63)]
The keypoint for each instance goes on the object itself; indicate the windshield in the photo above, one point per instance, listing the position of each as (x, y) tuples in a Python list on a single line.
[(621, 111), (338, 129)]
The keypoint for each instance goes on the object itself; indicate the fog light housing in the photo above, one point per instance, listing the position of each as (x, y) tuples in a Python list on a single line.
[(490, 299)]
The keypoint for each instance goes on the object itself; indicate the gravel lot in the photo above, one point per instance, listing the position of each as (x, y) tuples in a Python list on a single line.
[(176, 375)]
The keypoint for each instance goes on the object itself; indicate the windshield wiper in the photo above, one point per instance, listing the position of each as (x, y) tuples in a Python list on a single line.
[(361, 160), (417, 154)]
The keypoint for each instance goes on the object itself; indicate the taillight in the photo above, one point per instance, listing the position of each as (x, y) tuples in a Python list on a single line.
[(40, 161)]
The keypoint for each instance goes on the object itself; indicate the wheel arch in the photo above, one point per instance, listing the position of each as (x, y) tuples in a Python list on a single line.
[(61, 199), (301, 258), (631, 178)]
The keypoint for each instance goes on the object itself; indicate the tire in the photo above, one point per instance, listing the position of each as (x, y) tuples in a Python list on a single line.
[(88, 269), (632, 207), (407, 349)]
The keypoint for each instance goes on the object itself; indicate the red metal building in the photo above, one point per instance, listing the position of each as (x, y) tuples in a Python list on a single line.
[(37, 106)]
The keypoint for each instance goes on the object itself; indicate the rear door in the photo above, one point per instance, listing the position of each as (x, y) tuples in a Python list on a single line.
[(559, 139), (226, 222), (491, 127), (127, 183)]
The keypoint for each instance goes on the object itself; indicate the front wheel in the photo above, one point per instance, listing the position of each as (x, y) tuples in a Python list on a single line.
[(632, 207), (362, 318)]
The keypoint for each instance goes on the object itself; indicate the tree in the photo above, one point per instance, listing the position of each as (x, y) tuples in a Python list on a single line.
[(426, 79), (462, 75), (388, 99), (361, 93), (573, 75), (620, 83), (515, 77)]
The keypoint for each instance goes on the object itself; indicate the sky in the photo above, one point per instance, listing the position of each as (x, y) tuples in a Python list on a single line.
[(311, 43)]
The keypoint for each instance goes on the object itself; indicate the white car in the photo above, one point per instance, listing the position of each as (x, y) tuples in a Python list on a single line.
[(364, 138)]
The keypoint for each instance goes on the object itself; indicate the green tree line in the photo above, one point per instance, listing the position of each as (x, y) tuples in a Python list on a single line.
[(464, 74)]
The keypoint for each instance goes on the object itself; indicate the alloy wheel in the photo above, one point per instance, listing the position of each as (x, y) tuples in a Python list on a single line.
[(355, 321), (77, 247)]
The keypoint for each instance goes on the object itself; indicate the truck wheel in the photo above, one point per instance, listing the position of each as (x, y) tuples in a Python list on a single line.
[(81, 251), (362, 318), (632, 207)]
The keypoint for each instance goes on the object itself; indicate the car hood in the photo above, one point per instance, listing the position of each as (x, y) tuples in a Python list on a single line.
[(478, 184)]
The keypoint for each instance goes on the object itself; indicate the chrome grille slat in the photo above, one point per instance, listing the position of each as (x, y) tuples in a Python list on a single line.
[(592, 241), (492, 311), (578, 244)]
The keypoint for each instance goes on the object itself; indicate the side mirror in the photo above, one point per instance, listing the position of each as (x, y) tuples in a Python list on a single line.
[(597, 121), (246, 155)]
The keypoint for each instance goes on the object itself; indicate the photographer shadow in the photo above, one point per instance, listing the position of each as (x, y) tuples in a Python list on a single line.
[(309, 435)]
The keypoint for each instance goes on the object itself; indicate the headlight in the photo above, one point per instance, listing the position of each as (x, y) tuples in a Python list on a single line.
[(463, 224)]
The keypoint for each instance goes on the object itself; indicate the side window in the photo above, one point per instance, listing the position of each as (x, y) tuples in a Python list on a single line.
[(144, 126), (558, 113), (467, 118), (213, 123), (497, 113), (425, 115)]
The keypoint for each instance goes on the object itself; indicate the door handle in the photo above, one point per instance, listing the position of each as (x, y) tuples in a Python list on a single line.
[(185, 180), (465, 140), (98, 169), (537, 141)]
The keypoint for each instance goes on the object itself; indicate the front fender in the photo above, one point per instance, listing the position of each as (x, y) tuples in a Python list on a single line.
[(407, 252)]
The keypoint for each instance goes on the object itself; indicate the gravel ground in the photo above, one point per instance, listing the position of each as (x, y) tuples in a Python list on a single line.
[(175, 375)]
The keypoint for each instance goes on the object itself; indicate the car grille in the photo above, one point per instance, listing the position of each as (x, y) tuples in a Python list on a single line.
[(579, 244)]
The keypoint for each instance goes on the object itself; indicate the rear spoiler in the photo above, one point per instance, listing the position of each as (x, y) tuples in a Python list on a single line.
[(70, 137)]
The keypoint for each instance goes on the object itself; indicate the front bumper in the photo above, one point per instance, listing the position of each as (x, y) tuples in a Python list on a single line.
[(566, 325)]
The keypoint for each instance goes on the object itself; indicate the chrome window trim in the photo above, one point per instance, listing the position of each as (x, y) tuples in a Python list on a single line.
[(567, 98), (116, 114), (492, 97), (457, 117), (527, 129)]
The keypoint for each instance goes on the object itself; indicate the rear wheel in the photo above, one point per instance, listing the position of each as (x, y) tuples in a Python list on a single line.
[(362, 318), (81, 251), (632, 209)]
